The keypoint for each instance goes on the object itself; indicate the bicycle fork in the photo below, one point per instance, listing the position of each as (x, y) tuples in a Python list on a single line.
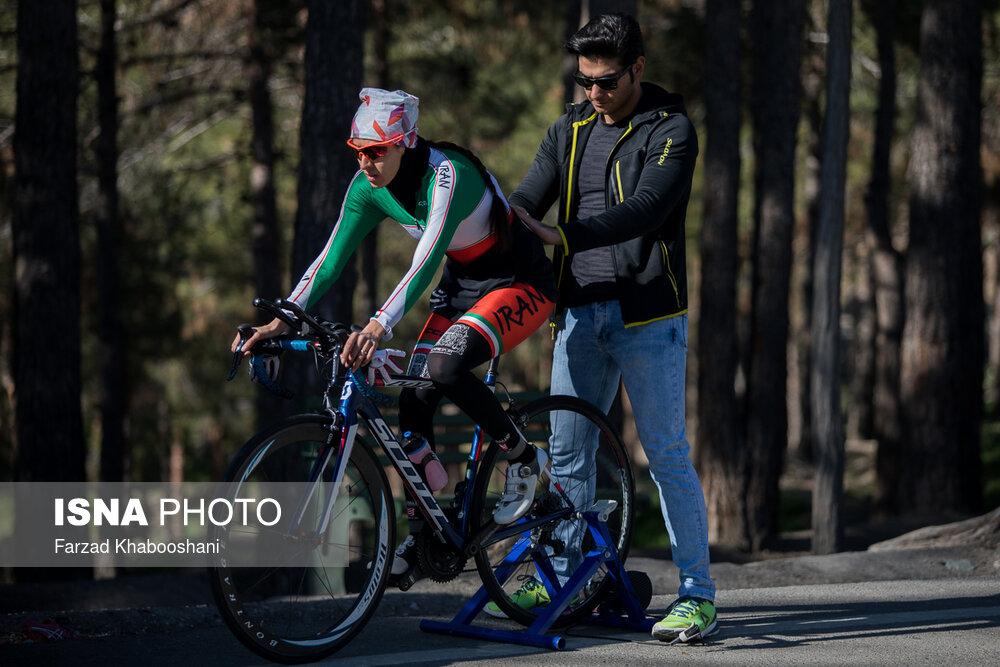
[(343, 422), (341, 448)]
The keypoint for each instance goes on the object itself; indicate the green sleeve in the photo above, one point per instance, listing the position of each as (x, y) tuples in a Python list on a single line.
[(358, 216)]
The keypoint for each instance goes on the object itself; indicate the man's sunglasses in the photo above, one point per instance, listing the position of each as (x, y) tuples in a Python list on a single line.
[(609, 82), (373, 153)]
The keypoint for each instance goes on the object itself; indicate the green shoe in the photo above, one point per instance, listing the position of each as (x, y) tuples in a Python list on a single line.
[(687, 619), (531, 594)]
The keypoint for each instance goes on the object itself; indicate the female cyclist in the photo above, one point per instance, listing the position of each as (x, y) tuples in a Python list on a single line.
[(497, 285)]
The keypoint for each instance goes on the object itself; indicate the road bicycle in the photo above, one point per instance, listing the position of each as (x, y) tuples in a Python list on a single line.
[(346, 515)]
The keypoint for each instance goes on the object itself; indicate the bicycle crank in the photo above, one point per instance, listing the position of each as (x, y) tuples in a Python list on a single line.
[(439, 561)]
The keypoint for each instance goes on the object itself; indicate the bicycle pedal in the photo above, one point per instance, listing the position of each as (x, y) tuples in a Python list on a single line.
[(693, 633), (412, 576)]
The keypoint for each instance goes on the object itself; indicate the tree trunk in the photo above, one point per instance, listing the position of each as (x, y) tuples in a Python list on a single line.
[(827, 422), (110, 338), (813, 76), (265, 234), (775, 106), (368, 285), (886, 275), (861, 361), (334, 58), (47, 246), (720, 452), (861, 356), (943, 346), (49, 423), (576, 11), (991, 281)]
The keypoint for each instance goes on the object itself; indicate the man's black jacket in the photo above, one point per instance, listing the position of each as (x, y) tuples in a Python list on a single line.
[(648, 184)]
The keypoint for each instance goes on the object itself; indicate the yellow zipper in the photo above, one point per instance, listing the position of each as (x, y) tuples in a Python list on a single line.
[(670, 271), (572, 164), (618, 176)]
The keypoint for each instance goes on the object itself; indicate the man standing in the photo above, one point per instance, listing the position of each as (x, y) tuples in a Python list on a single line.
[(621, 166)]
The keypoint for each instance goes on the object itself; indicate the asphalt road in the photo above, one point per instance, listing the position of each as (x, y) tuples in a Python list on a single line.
[(938, 621)]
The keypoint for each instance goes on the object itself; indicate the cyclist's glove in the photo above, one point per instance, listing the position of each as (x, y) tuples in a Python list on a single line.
[(382, 364)]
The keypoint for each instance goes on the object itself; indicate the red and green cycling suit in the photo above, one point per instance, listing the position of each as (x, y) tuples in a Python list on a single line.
[(441, 198)]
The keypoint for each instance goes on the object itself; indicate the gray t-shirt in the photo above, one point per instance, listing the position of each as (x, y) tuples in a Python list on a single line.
[(593, 270)]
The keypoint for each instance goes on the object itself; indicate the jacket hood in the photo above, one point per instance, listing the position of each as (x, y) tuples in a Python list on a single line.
[(654, 100)]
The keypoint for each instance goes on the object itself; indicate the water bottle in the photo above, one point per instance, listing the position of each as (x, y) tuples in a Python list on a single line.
[(420, 453)]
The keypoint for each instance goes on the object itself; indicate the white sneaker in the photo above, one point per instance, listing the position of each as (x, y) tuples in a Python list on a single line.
[(405, 556), (519, 489)]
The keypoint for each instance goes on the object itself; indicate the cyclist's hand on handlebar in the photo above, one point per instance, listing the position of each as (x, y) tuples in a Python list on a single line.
[(361, 346), (270, 330)]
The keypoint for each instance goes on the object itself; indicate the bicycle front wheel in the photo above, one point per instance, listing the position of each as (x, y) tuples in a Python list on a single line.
[(314, 605), (589, 463)]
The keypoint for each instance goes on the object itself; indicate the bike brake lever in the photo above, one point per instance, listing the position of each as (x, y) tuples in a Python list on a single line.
[(278, 309), (338, 331), (245, 331)]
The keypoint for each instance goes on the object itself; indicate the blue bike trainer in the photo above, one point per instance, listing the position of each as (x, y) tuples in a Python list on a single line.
[(604, 551)]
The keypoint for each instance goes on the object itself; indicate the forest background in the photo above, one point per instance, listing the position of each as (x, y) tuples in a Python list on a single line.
[(162, 162)]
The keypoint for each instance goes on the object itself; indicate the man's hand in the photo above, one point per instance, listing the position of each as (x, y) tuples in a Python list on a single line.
[(361, 346), (548, 235)]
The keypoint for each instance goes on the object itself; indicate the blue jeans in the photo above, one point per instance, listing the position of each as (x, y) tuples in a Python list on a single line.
[(593, 351)]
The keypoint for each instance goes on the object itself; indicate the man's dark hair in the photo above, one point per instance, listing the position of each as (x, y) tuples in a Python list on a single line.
[(608, 36)]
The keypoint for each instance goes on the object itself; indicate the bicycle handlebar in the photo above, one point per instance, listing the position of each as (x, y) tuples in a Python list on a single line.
[(326, 338), (303, 323)]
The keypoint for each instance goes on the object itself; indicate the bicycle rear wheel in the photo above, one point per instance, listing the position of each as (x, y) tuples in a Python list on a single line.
[(315, 605), (589, 463)]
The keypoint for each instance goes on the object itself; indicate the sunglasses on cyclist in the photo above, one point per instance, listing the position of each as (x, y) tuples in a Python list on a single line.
[(609, 82), (375, 152)]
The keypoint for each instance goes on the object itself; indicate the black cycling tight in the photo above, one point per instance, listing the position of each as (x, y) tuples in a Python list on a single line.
[(449, 365)]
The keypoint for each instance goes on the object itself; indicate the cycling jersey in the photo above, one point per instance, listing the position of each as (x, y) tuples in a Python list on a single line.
[(446, 207)]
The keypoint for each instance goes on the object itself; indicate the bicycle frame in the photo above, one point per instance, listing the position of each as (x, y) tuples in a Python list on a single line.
[(354, 404)]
